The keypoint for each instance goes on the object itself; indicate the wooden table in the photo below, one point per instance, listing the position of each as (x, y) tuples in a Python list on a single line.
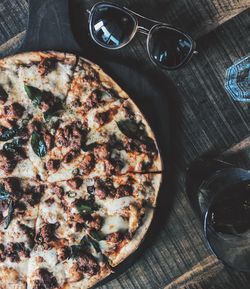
[(200, 115)]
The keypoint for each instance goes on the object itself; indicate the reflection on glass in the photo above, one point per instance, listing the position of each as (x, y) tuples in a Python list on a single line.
[(169, 47), (111, 26)]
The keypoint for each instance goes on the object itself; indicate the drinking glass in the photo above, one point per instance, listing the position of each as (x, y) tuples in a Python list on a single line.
[(220, 194), (237, 81)]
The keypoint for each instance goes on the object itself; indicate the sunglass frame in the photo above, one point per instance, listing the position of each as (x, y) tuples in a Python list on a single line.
[(134, 16)]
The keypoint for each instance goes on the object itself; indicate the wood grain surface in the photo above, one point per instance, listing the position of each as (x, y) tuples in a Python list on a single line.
[(192, 101)]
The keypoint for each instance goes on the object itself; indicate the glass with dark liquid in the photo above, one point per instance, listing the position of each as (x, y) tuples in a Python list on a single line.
[(220, 194)]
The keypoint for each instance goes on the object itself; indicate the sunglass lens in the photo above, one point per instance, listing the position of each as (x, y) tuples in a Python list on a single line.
[(110, 26), (169, 47)]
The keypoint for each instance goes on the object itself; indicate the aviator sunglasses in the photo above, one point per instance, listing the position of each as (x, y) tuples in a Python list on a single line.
[(113, 27)]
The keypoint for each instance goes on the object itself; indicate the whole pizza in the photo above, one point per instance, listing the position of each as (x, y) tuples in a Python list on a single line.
[(79, 172)]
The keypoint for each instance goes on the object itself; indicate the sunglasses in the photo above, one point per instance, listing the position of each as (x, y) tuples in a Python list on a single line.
[(113, 27)]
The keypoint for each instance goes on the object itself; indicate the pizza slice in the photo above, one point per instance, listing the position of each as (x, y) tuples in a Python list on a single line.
[(120, 244), (33, 82), (115, 212), (124, 143), (63, 266), (120, 146), (19, 200), (126, 205), (47, 71), (55, 147), (92, 88), (44, 269), (63, 253), (30, 84)]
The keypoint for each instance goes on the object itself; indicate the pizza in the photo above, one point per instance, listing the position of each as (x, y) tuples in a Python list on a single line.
[(80, 171)]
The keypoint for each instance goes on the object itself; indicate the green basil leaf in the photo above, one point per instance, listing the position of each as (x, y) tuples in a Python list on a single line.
[(96, 246), (4, 195), (34, 94), (75, 251), (3, 94), (85, 241), (84, 208), (130, 128), (6, 133), (13, 146), (96, 235), (89, 147), (54, 110), (38, 144), (10, 215), (149, 142), (89, 242), (49, 114)]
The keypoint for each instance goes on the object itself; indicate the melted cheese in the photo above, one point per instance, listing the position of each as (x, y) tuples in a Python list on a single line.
[(14, 87), (133, 218), (41, 258), (114, 224), (36, 161), (116, 205), (56, 81), (91, 120), (14, 233), (24, 169), (13, 276), (50, 213), (62, 174), (106, 246), (65, 171), (123, 156)]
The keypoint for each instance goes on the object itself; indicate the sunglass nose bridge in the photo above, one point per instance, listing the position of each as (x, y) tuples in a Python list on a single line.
[(143, 30)]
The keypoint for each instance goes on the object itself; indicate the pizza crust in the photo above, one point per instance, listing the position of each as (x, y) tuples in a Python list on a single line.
[(157, 181), (106, 79), (158, 162), (87, 283), (133, 245), (36, 56)]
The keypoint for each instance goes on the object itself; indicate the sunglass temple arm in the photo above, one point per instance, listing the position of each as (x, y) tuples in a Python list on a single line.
[(144, 17), (143, 30)]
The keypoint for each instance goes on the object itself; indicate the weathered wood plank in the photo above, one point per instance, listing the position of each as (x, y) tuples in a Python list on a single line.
[(13, 18)]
